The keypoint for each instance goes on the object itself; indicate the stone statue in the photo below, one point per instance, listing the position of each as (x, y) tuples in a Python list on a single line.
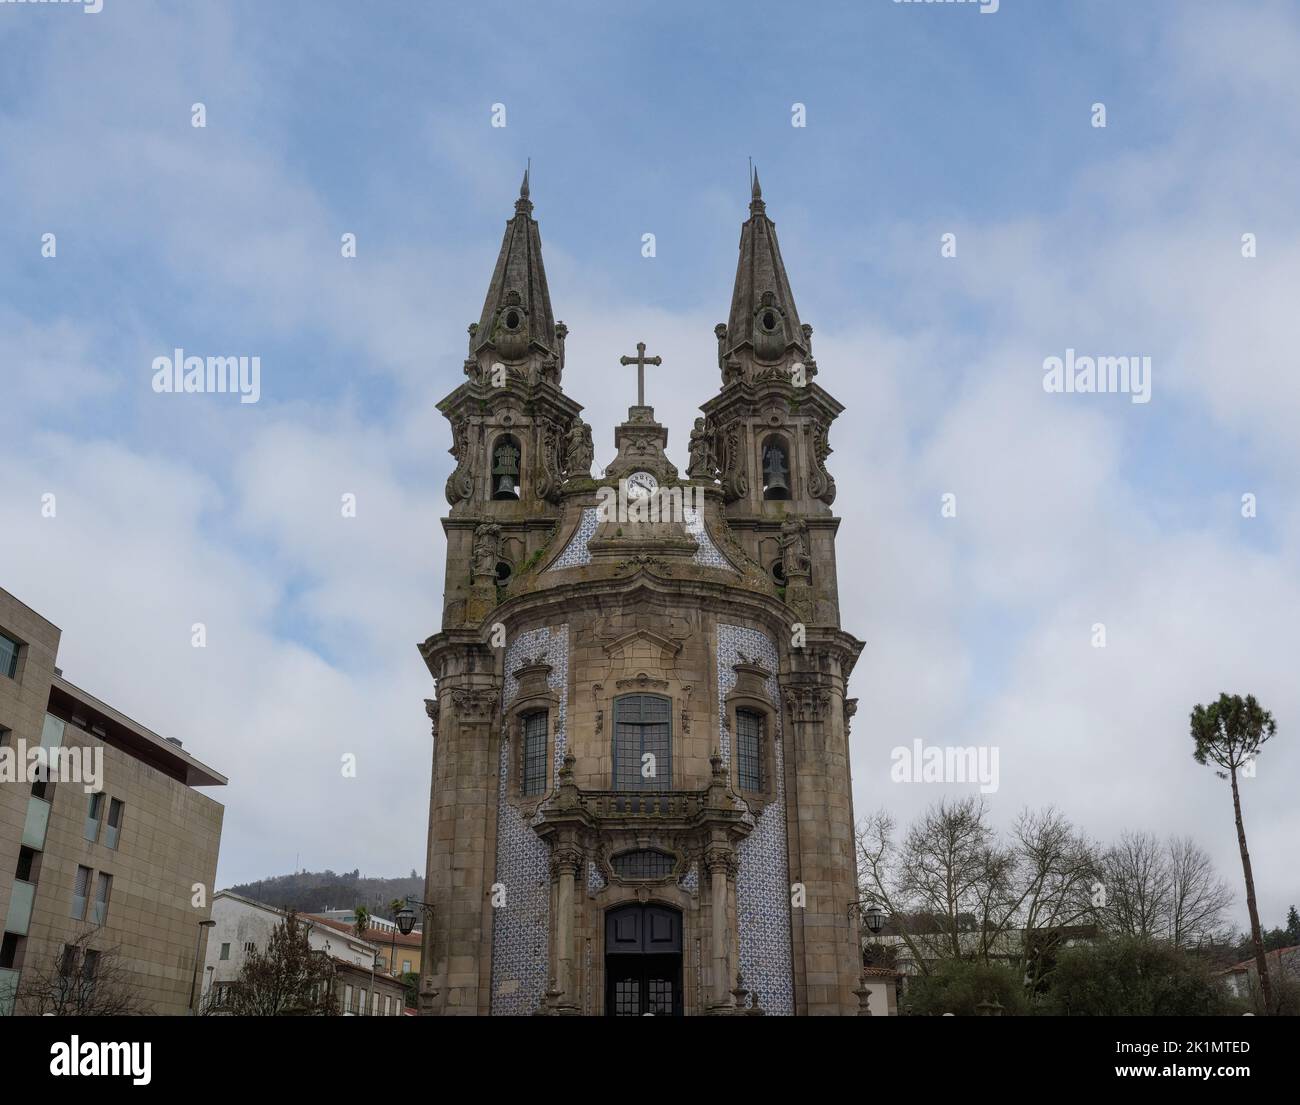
[(487, 549), (704, 460), (795, 560), (579, 451)]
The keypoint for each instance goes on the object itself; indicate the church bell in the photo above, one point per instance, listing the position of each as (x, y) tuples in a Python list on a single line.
[(775, 485), (506, 471)]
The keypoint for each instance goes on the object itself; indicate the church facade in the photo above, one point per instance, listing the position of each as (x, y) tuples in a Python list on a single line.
[(641, 800)]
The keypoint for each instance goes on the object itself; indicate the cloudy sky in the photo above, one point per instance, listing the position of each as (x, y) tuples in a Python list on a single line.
[(332, 118)]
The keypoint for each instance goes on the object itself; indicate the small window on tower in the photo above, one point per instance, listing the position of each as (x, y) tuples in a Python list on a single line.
[(505, 468), (776, 469)]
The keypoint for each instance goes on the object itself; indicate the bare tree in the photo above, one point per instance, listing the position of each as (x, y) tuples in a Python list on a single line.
[(1198, 898), (81, 981), (1135, 881), (1056, 868), (289, 979)]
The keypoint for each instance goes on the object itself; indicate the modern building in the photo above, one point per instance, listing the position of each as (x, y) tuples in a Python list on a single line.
[(362, 985), (108, 852), (641, 718)]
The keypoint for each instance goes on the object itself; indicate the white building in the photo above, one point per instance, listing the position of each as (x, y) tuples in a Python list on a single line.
[(243, 924)]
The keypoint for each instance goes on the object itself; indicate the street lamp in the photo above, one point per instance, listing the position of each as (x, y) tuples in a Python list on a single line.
[(406, 923), (870, 913), (194, 978), (405, 920)]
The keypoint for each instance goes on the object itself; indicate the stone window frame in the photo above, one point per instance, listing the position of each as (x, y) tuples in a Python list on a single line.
[(747, 696), (534, 697), (615, 851)]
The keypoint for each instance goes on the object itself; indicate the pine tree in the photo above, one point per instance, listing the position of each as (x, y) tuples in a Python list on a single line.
[(1230, 733)]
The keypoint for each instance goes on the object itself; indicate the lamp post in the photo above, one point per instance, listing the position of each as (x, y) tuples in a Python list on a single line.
[(194, 978), (405, 919)]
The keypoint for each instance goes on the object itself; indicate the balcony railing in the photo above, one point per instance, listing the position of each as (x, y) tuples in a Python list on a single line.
[(38, 820), (20, 907), (613, 805)]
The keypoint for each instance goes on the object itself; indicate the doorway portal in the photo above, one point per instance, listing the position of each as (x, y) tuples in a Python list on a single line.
[(643, 961)]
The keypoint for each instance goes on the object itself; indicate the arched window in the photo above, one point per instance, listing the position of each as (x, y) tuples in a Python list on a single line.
[(749, 749), (505, 468), (776, 469), (644, 863), (534, 765), (643, 742)]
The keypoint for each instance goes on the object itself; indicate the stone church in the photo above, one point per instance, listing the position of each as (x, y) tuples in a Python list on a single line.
[(641, 800)]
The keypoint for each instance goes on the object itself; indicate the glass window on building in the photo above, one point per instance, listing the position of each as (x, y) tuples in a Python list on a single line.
[(8, 656), (99, 912), (81, 893), (94, 815), (114, 830)]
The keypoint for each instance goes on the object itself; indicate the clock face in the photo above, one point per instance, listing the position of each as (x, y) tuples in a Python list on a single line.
[(641, 485)]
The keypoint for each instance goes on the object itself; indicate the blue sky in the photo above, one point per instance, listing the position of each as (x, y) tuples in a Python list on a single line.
[(326, 118)]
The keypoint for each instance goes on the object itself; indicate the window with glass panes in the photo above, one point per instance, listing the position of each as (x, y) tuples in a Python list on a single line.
[(643, 725), (8, 656), (749, 749), (534, 753)]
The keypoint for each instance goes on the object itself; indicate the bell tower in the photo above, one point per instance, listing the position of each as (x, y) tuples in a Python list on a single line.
[(516, 436), (770, 427)]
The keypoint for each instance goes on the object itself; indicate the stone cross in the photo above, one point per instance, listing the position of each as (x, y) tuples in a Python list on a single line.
[(640, 360)]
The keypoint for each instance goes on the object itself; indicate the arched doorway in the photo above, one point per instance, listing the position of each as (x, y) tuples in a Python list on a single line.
[(643, 961)]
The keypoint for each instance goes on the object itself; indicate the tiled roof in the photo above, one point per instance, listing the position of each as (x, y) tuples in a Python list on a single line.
[(379, 937)]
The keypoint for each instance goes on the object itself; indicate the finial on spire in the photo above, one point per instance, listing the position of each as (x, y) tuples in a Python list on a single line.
[(523, 205), (755, 191)]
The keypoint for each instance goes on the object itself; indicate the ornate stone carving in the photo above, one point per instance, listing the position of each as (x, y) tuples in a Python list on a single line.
[(704, 459), (721, 861), (806, 703), (460, 484), (821, 485), (548, 460), (734, 482), (795, 560), (487, 549), (431, 709), (474, 705), (579, 451), (641, 680), (562, 332), (567, 858)]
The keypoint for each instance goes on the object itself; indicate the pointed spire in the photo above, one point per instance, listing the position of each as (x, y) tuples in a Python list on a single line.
[(523, 204), (517, 309), (763, 315)]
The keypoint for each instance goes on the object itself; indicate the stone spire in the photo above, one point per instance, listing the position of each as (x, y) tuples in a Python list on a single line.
[(517, 313), (763, 317)]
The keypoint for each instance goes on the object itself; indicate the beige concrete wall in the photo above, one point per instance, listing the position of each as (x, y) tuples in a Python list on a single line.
[(168, 847), (165, 860)]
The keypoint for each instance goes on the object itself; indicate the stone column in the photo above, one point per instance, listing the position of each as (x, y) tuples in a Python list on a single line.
[(828, 955), (566, 862), (721, 864), (464, 803)]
